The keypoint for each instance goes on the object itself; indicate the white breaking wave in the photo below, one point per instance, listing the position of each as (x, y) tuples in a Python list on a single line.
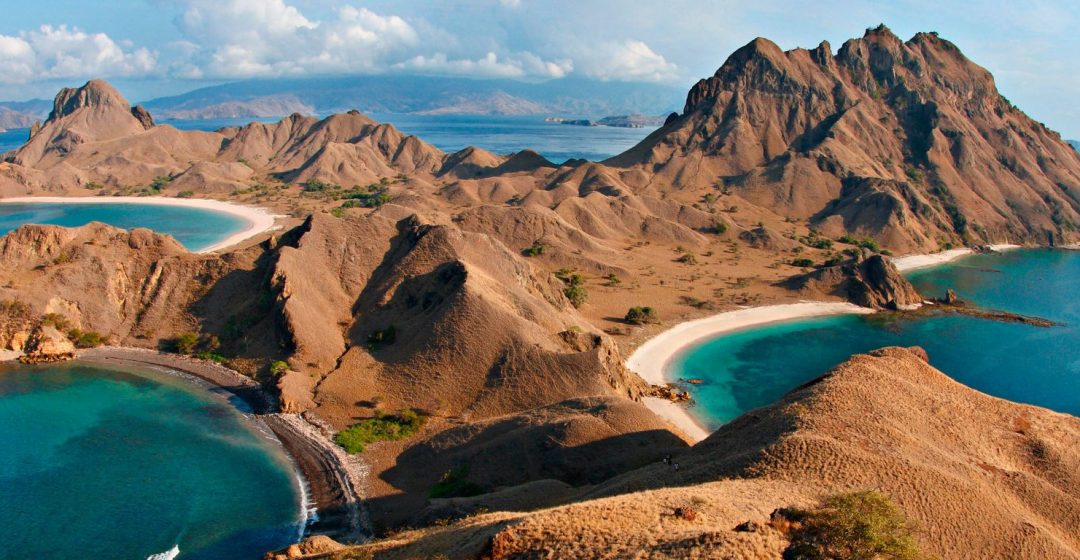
[(167, 555)]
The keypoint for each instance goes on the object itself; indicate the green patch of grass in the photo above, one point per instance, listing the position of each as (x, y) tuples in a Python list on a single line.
[(355, 438), (87, 339)]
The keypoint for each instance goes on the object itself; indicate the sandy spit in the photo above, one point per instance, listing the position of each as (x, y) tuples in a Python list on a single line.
[(651, 359), (258, 219)]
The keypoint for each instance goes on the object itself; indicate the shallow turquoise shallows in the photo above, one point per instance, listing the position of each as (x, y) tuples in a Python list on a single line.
[(102, 463), (1041, 366), (195, 228)]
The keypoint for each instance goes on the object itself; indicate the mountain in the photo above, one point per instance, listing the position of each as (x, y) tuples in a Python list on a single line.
[(1075, 144), (22, 114), (417, 94), (906, 142)]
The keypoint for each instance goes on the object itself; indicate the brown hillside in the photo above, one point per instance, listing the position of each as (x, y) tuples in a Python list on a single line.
[(909, 142), (981, 477)]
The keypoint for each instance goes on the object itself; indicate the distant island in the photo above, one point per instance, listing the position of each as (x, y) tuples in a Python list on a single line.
[(620, 121)]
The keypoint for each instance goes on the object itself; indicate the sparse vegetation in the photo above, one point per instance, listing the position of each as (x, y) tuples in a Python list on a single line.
[(534, 250), (185, 194), (802, 263), (687, 258), (641, 315), (613, 280), (278, 368), (382, 337), (575, 286), (720, 227), (454, 483), (196, 344), (858, 525), (868, 243), (86, 339), (357, 437)]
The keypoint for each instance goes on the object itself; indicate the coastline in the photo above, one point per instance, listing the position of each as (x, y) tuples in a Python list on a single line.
[(650, 360), (259, 220), (331, 480), (908, 263)]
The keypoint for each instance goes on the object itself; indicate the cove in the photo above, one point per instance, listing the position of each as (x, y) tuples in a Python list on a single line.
[(747, 369), (109, 463), (195, 228)]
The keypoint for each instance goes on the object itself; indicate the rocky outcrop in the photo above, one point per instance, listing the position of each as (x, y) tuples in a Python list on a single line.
[(47, 344), (868, 280), (143, 116)]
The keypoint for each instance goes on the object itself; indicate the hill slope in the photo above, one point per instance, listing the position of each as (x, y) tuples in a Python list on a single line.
[(908, 142)]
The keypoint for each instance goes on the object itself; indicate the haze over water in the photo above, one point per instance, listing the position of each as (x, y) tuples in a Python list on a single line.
[(1040, 366)]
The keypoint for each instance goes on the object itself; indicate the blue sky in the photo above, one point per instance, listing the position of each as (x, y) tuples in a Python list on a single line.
[(158, 47)]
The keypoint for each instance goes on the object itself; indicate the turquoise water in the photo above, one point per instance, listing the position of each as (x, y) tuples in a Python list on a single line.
[(100, 463), (195, 228), (1041, 366)]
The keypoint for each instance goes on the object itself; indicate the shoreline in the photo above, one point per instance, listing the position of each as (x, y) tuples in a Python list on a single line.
[(330, 480), (651, 360), (259, 220), (908, 263)]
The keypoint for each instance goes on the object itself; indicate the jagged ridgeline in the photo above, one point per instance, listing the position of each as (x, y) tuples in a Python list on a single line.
[(909, 142)]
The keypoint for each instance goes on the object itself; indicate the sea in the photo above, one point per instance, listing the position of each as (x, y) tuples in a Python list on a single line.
[(195, 228), (111, 463), (747, 369), (450, 133)]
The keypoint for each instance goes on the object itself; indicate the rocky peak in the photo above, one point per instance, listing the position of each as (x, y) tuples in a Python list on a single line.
[(95, 93)]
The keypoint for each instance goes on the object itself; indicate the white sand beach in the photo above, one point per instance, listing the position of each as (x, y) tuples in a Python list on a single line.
[(258, 219), (652, 358), (908, 263)]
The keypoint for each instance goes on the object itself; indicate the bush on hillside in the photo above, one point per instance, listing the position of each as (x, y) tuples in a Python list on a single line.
[(355, 438), (640, 315), (857, 525)]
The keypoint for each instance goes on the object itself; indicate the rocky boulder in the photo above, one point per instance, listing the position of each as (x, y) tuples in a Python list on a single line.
[(866, 280)]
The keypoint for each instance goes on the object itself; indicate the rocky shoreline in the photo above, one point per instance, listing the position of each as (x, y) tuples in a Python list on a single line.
[(335, 479)]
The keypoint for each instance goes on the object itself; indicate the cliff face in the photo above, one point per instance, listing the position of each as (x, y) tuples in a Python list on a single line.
[(908, 142)]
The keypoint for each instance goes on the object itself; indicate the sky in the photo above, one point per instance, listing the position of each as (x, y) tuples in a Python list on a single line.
[(151, 48)]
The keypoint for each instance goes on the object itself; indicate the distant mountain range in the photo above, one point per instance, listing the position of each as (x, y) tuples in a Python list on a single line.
[(1074, 144), (22, 114), (418, 95)]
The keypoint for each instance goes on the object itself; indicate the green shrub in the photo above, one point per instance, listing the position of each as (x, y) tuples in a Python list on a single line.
[(313, 186), (577, 294), (56, 320), (278, 368), (613, 280), (640, 315), (380, 337), (86, 339), (195, 344), (185, 194), (720, 227), (159, 183), (355, 438), (802, 263), (858, 525), (454, 484), (536, 249)]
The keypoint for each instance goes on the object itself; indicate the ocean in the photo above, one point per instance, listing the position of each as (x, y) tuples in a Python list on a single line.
[(104, 463), (195, 228), (754, 367), (450, 133)]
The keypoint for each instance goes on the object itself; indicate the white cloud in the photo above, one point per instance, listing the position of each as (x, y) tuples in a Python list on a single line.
[(625, 61), (61, 52), (489, 66)]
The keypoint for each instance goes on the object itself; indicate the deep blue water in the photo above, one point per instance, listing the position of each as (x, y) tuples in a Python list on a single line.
[(1041, 366), (102, 463), (13, 138), (195, 228)]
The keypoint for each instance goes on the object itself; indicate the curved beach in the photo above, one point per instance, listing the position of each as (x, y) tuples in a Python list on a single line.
[(333, 481), (258, 219), (651, 359), (908, 263)]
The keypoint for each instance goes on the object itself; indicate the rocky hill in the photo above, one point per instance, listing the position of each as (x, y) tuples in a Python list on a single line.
[(907, 142), (980, 477)]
